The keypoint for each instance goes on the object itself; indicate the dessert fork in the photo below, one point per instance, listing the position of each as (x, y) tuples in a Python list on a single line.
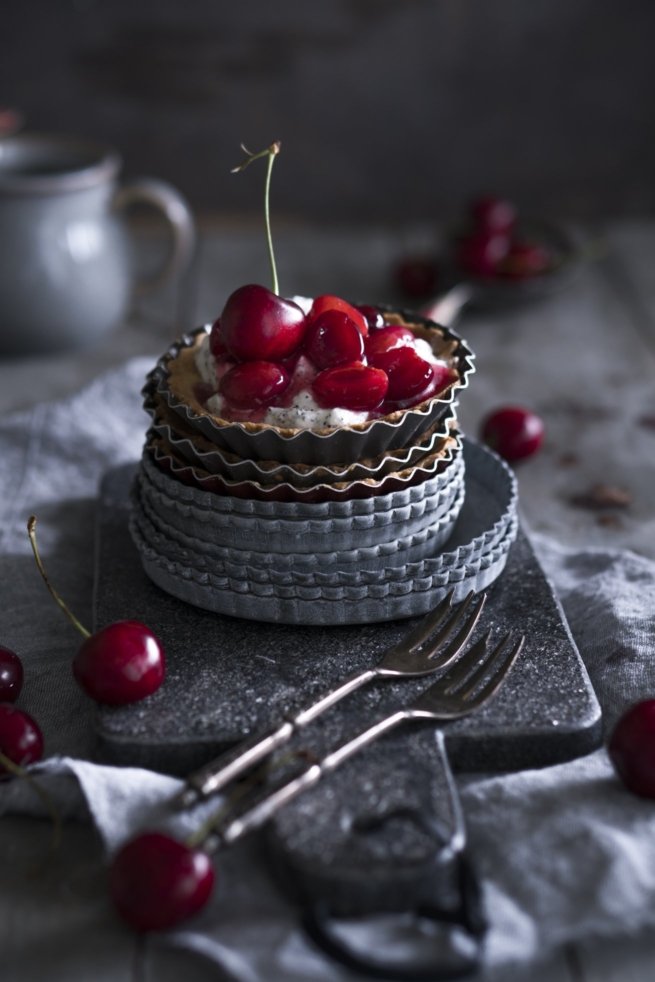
[(470, 683), (421, 652)]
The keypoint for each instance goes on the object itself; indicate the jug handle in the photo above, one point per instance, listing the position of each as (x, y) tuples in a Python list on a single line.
[(165, 199)]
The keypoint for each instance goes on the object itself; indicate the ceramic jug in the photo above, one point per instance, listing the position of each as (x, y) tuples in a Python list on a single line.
[(66, 273)]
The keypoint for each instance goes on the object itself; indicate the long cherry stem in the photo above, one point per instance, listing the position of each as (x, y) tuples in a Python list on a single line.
[(17, 771), (31, 531), (270, 152)]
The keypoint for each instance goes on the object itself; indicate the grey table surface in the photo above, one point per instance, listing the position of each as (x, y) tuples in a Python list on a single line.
[(583, 358)]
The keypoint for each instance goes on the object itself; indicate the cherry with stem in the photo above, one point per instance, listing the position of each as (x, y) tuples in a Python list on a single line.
[(119, 664), (271, 153)]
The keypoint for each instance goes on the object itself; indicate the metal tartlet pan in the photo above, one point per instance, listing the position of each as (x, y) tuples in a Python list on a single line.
[(307, 532), (260, 441), (425, 468), (197, 450), (209, 558), (359, 596)]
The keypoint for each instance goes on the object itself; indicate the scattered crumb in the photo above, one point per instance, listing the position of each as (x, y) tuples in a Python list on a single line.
[(602, 496), (610, 520), (568, 459)]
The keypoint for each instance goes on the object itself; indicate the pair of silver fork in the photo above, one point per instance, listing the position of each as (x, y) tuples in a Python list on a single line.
[(470, 677)]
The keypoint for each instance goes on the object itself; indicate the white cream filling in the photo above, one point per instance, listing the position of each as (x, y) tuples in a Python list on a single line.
[(304, 413)]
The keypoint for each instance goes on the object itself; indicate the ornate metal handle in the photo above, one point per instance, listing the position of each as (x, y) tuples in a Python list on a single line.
[(219, 772)]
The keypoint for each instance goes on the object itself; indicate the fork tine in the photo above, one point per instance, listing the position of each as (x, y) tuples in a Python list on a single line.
[(426, 626), (501, 668), (496, 666), (452, 650)]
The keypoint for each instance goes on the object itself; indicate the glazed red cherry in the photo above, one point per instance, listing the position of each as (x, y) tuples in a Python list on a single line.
[(333, 339), (408, 373), (11, 675), (21, 739), (253, 384), (513, 431), (373, 315), (155, 882), (257, 325), (525, 259), (386, 339), (119, 664), (480, 253), (358, 387), (216, 343), (632, 748), (328, 302), (416, 276), (493, 214)]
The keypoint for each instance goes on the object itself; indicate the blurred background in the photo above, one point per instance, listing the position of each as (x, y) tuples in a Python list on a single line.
[(387, 109)]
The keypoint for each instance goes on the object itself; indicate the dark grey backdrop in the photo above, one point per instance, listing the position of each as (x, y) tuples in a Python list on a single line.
[(386, 108)]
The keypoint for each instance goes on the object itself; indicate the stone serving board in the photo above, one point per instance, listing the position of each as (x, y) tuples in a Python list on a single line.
[(227, 677)]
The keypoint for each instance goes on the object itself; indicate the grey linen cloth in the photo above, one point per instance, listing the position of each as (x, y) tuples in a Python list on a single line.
[(565, 854)]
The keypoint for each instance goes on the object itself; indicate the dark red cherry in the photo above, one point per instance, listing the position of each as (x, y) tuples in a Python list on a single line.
[(356, 386), (525, 259), (416, 276), (121, 663), (11, 675), (216, 343), (373, 315), (513, 431), (386, 339), (632, 748), (155, 882), (493, 214), (480, 253), (328, 302), (21, 739), (257, 325), (333, 339), (254, 384), (408, 373)]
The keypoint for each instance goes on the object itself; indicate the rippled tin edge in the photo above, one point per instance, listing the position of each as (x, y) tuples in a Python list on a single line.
[(399, 550), (216, 461), (309, 446), (274, 510), (487, 467), (392, 600), (421, 472)]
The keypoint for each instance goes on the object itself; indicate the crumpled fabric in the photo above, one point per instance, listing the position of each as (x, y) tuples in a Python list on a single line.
[(564, 853)]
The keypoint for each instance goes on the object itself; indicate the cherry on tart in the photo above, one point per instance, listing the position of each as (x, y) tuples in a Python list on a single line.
[(155, 881), (632, 748), (257, 325), (21, 740), (373, 316), (386, 339), (408, 373), (328, 302), (513, 431), (333, 338), (358, 387), (253, 384), (122, 663), (11, 675)]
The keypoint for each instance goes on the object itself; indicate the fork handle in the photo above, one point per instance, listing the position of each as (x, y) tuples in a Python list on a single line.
[(267, 806), (229, 765)]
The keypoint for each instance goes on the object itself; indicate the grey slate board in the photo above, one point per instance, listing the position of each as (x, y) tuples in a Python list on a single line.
[(228, 676), (374, 836)]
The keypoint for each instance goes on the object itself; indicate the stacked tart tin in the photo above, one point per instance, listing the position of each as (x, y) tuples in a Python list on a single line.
[(338, 525)]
